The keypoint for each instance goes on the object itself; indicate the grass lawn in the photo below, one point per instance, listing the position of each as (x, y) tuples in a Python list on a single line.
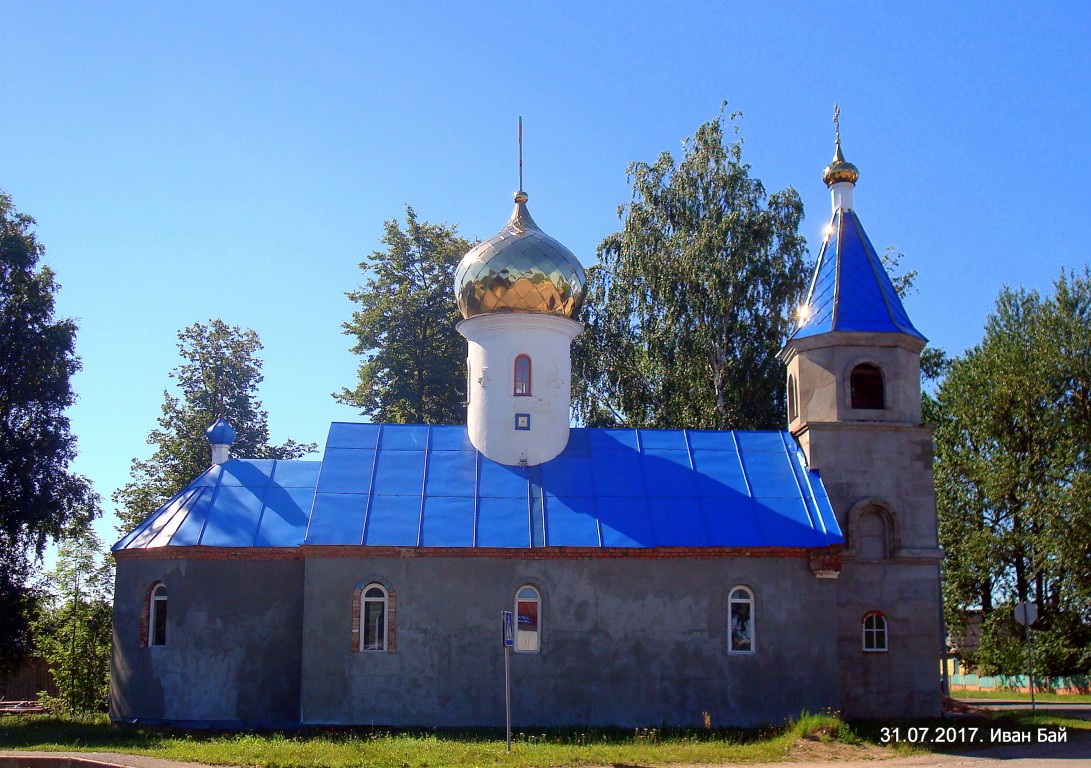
[(811, 736), (1000, 693)]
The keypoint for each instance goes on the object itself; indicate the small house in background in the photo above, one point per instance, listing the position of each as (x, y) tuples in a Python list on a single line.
[(657, 577)]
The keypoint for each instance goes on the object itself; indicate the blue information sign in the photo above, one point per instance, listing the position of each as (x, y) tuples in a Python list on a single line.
[(508, 631)]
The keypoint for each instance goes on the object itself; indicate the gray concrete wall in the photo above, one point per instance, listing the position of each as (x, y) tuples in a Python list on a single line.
[(821, 366), (889, 465), (876, 459), (633, 642), (904, 681), (233, 642)]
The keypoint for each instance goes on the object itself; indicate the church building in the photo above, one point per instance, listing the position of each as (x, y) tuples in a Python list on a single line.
[(656, 577)]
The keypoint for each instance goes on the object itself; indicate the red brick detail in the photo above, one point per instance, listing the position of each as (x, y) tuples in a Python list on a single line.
[(357, 596), (210, 553), (497, 553), (570, 553), (825, 562), (146, 614), (391, 602)]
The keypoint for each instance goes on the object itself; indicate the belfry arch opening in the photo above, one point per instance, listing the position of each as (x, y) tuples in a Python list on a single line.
[(866, 387)]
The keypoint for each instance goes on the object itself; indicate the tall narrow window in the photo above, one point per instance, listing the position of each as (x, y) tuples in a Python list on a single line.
[(793, 408), (740, 621), (157, 616), (866, 387), (373, 618), (528, 627), (874, 632), (522, 376)]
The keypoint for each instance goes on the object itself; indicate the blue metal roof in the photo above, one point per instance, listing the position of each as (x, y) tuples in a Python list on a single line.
[(421, 486), (850, 290), (243, 503)]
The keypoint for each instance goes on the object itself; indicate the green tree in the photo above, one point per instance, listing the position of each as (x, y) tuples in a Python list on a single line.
[(219, 377), (73, 631), (413, 358), (691, 300), (905, 283), (39, 496), (1012, 423)]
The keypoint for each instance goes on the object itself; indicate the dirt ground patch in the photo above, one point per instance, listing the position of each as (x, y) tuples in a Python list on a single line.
[(818, 751)]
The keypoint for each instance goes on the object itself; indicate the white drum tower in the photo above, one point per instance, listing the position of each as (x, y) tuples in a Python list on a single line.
[(519, 291)]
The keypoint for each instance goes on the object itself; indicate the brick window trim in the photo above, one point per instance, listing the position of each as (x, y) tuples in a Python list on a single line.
[(146, 614), (357, 611)]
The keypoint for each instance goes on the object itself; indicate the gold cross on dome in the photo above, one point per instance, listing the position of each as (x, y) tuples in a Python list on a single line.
[(837, 121)]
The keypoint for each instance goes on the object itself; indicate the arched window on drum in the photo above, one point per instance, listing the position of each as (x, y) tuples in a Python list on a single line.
[(522, 376)]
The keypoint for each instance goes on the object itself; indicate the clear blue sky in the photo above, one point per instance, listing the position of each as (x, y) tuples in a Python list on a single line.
[(237, 160)]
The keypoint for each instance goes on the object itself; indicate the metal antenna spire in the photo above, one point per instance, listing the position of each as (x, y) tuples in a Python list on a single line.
[(520, 152), (219, 397)]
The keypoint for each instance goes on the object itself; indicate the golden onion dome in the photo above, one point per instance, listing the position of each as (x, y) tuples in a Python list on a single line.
[(520, 269), (840, 169)]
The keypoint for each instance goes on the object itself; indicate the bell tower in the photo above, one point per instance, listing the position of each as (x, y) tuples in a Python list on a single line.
[(854, 406)]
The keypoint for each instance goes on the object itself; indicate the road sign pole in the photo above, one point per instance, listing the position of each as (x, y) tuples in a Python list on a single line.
[(507, 638), (507, 692), (1030, 668), (1026, 613)]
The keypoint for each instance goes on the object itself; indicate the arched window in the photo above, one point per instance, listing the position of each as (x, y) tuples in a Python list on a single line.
[(528, 620), (157, 616), (866, 387), (522, 376), (793, 406), (874, 628), (872, 541), (373, 605), (740, 620)]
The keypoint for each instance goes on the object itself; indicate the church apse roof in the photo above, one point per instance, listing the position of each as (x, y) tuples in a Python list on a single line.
[(422, 486)]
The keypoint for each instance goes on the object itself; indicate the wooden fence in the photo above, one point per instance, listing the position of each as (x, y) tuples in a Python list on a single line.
[(33, 676), (1074, 684)]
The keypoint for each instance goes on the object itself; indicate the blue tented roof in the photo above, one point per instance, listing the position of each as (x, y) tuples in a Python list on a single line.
[(422, 486), (243, 503), (850, 290)]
